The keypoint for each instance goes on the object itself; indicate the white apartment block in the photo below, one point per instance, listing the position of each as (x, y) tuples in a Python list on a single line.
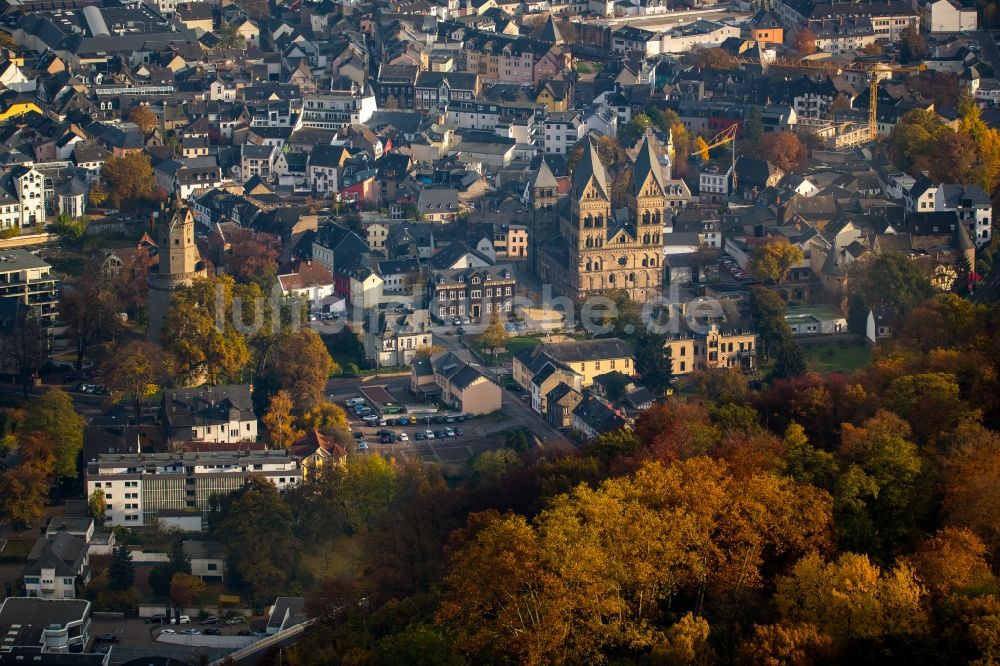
[(141, 488), (335, 110), (562, 131), (22, 197)]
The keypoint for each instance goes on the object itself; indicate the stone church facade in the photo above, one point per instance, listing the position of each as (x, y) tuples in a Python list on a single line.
[(583, 249)]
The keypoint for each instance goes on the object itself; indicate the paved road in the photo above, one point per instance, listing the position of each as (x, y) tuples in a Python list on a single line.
[(989, 50)]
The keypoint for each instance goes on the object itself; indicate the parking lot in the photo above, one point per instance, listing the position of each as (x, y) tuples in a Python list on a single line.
[(136, 639)]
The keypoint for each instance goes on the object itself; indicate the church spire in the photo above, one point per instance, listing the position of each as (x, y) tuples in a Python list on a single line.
[(646, 165), (590, 168)]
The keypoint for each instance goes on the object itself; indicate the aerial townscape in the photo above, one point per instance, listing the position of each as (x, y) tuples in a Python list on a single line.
[(482, 332)]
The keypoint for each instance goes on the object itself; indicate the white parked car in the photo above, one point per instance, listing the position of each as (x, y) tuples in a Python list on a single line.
[(429, 434), (168, 631), (184, 620), (403, 437)]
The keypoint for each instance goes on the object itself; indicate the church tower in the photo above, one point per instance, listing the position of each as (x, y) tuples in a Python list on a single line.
[(180, 262)]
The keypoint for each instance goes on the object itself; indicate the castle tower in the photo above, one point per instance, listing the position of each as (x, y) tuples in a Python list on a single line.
[(180, 262)]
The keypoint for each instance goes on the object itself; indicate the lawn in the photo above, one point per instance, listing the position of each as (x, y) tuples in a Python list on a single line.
[(839, 356), (514, 345)]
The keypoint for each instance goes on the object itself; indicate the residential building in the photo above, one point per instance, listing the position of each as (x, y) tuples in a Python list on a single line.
[(178, 489), (476, 292), (45, 625), (563, 130), (220, 414), (593, 417), (450, 377), (972, 205), (392, 339), (335, 110), (715, 348), (316, 450), (948, 16), (257, 160), (433, 89), (30, 280), (587, 358), (311, 282), (766, 28), (22, 197), (207, 558), (714, 181), (55, 565)]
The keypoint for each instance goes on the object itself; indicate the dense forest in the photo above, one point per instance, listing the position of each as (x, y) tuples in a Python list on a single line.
[(820, 519)]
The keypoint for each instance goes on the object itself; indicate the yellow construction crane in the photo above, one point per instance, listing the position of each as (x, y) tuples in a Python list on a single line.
[(727, 135), (877, 72)]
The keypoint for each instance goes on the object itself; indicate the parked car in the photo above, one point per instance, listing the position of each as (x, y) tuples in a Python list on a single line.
[(440, 434), (212, 632), (362, 445), (167, 631), (461, 417), (429, 434), (449, 419), (382, 422), (191, 632), (456, 321), (460, 330), (448, 432), (211, 619), (439, 418), (385, 439), (420, 436), (458, 432), (184, 619), (403, 421), (236, 619), (403, 437), (156, 619), (525, 397), (358, 435), (106, 638), (514, 387)]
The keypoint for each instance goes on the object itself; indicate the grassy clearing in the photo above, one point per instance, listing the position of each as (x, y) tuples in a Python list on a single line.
[(514, 345), (335, 558), (836, 356)]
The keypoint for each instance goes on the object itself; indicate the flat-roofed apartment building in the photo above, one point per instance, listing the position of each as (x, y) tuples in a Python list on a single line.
[(141, 488)]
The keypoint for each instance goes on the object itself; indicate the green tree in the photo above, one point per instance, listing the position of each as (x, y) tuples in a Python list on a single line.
[(98, 506), (652, 362), (882, 496), (70, 231), (632, 131), (121, 571), (791, 360), (494, 337), (418, 645), (805, 463), (929, 401), (897, 281), (753, 128), (368, 487), (494, 465), (53, 414), (255, 523), (768, 312), (229, 38)]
